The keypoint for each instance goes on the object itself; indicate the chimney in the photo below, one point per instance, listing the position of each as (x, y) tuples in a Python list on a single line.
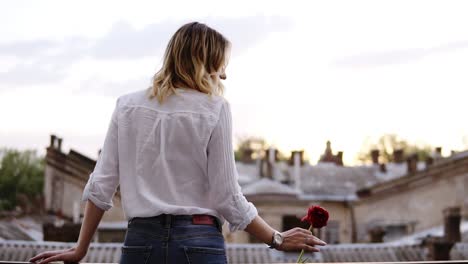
[(438, 248), (301, 154), (429, 161), (262, 168), (297, 163), (376, 234), (339, 158), (452, 219), (269, 169), (272, 154), (247, 155), (438, 152), (412, 162), (59, 146), (383, 168), (52, 140), (375, 156), (266, 164), (398, 156)]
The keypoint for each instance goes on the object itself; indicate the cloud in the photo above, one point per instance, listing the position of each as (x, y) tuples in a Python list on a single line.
[(99, 86), (30, 74), (40, 58), (369, 60), (27, 49), (245, 33), (125, 42), (42, 61), (43, 49)]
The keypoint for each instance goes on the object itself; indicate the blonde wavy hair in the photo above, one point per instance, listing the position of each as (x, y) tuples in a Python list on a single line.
[(194, 53)]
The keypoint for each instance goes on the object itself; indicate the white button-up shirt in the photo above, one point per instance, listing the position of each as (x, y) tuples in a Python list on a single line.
[(172, 158)]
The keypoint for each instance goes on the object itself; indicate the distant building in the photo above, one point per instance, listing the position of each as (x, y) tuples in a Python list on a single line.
[(417, 201), (65, 178)]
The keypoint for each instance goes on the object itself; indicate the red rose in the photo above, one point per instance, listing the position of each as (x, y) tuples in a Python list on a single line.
[(316, 216)]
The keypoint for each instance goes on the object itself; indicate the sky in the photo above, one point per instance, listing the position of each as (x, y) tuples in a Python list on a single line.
[(300, 73)]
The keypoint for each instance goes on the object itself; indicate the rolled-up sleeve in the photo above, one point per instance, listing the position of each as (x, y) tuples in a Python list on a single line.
[(225, 190), (103, 181)]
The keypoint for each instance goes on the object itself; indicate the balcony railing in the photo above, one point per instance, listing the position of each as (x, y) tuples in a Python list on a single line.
[(411, 262), (11, 250)]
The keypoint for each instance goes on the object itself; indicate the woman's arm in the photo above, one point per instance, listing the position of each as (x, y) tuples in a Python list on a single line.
[(227, 196), (225, 192), (260, 229), (97, 194), (92, 217), (293, 239)]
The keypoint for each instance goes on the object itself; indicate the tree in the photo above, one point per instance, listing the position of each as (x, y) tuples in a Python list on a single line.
[(21, 172), (387, 144), (465, 141), (249, 147)]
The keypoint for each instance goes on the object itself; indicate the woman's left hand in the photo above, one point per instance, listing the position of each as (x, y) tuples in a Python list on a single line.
[(70, 255)]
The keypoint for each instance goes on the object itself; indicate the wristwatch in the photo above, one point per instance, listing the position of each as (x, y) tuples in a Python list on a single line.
[(277, 240)]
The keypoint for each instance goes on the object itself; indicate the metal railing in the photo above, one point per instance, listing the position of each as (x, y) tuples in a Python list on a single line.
[(11, 251), (400, 262)]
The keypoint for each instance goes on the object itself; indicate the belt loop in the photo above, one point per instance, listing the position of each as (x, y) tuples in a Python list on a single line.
[(167, 220), (218, 224)]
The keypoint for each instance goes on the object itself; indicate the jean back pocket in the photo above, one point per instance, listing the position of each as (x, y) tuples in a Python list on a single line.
[(135, 254), (202, 255)]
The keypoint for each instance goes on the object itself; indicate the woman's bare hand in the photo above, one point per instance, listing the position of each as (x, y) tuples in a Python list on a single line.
[(299, 238), (71, 255)]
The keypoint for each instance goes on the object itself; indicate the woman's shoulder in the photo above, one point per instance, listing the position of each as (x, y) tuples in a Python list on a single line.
[(210, 102), (131, 97), (184, 100)]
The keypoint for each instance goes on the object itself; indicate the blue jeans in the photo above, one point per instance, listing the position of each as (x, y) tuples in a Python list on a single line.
[(172, 239)]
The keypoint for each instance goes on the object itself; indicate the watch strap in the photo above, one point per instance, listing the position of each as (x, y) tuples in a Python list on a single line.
[(273, 243)]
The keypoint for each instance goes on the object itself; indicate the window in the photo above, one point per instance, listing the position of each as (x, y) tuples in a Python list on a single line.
[(291, 221), (332, 232), (395, 231)]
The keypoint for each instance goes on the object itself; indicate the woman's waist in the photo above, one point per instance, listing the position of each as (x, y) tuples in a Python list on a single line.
[(166, 219), (139, 204), (171, 220)]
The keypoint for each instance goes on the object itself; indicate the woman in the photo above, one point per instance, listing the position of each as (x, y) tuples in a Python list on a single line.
[(174, 162)]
